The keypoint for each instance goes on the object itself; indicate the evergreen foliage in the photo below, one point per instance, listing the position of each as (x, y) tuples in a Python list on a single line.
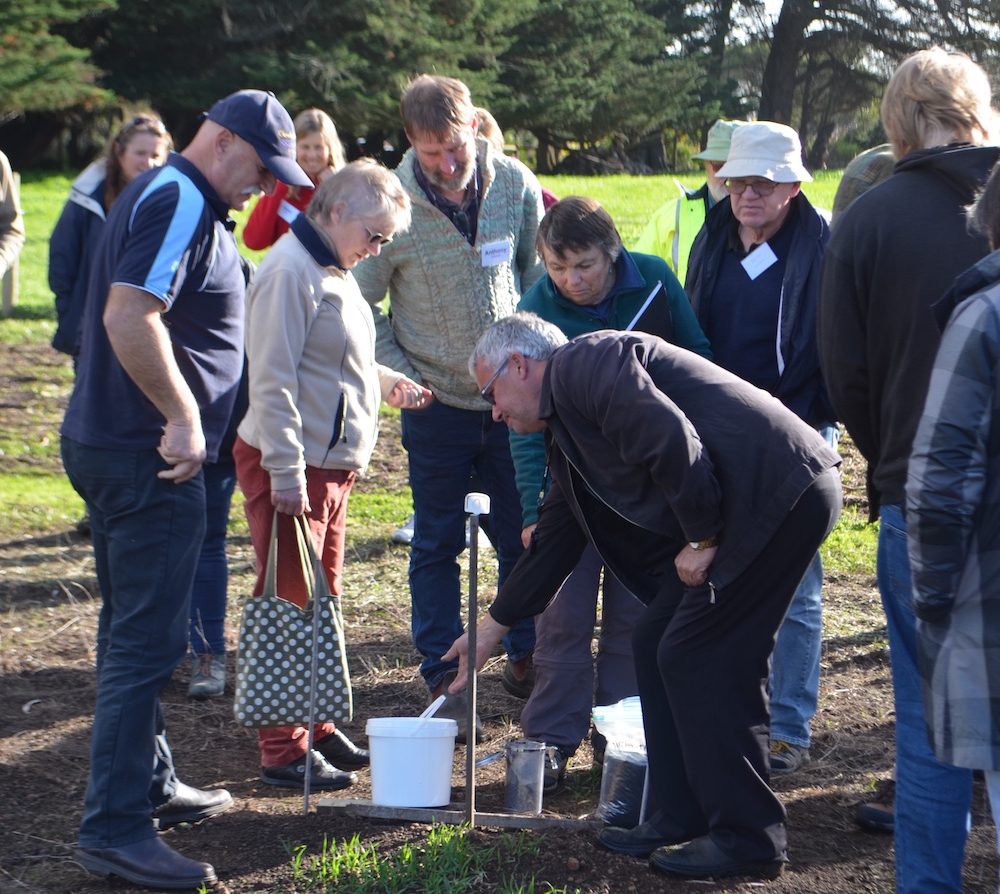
[(39, 69)]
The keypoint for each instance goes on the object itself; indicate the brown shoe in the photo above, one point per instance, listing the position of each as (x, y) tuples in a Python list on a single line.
[(518, 677)]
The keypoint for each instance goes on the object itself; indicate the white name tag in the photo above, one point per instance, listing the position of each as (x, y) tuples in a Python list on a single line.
[(288, 212), (499, 252), (759, 260)]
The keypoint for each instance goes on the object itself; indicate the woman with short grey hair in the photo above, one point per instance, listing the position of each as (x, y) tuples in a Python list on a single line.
[(311, 425)]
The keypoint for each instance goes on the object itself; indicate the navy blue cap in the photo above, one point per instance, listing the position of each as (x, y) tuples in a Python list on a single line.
[(262, 121)]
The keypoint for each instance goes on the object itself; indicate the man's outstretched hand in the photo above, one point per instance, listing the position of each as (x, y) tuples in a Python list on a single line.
[(488, 635)]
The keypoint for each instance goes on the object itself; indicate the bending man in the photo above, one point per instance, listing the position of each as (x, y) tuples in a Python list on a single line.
[(707, 499)]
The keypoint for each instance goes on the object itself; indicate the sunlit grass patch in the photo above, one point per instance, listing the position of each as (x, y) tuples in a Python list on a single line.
[(852, 545), (37, 502)]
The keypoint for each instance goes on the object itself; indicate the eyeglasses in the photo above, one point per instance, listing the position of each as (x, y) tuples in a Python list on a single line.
[(487, 390), (377, 238), (739, 185)]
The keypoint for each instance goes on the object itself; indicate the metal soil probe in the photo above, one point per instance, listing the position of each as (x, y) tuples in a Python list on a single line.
[(475, 505)]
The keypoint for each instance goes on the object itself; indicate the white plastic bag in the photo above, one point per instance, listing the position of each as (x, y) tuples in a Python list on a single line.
[(623, 779)]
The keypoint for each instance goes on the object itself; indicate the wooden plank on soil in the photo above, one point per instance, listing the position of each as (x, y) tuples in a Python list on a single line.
[(452, 815)]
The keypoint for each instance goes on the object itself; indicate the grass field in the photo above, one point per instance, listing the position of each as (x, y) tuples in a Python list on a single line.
[(33, 485)]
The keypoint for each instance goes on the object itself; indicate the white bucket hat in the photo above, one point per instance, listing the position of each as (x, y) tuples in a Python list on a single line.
[(765, 149)]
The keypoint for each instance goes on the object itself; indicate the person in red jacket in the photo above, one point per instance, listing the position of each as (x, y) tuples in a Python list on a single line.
[(319, 153)]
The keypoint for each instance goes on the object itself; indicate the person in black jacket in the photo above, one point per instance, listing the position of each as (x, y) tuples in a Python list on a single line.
[(895, 251), (707, 499)]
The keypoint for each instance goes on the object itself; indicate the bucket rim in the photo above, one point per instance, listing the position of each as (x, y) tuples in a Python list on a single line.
[(412, 727)]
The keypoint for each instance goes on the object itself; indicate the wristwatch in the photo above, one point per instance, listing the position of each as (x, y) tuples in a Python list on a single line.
[(707, 543)]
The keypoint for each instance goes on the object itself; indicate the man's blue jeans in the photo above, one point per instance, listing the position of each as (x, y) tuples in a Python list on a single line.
[(932, 798), (147, 534), (447, 449), (211, 581), (794, 680)]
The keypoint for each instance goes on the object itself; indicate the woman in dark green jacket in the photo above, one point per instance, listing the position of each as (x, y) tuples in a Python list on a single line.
[(592, 283)]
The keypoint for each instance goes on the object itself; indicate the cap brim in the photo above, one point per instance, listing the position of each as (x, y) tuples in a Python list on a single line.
[(709, 155), (286, 170)]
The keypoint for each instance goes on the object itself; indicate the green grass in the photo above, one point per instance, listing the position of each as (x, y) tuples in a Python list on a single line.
[(446, 862), (37, 501), (851, 546), (27, 325), (380, 507), (42, 198), (42, 501)]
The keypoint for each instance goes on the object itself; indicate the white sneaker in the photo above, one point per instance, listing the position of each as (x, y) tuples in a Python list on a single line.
[(403, 534)]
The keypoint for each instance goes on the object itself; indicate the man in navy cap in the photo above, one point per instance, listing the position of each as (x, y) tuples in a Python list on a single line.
[(161, 357)]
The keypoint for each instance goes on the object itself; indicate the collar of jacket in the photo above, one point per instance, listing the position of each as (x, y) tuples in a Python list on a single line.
[(627, 276), (810, 220), (315, 242), (88, 188)]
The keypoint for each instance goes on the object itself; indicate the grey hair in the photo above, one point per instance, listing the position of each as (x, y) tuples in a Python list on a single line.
[(367, 189), (520, 333)]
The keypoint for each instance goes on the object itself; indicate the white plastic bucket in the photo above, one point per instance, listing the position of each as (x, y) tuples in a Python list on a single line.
[(411, 760)]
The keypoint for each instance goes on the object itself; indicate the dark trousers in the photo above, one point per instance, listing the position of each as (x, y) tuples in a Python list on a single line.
[(147, 534), (702, 669)]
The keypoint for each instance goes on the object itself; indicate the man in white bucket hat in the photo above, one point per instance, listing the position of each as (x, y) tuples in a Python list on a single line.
[(753, 279)]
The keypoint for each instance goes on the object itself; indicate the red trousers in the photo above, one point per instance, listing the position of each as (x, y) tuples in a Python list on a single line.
[(328, 490)]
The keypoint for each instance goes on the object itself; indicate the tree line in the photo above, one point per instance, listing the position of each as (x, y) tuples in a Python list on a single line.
[(627, 84)]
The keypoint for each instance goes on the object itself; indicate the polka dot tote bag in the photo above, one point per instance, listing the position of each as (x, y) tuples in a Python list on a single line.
[(291, 667)]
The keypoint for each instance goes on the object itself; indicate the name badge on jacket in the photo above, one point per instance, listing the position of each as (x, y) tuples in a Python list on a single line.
[(759, 260), (499, 252)]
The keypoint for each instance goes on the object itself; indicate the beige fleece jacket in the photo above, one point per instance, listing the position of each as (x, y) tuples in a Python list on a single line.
[(315, 387), (11, 221)]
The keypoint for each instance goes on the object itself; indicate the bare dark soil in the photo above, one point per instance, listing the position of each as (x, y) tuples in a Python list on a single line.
[(49, 604)]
